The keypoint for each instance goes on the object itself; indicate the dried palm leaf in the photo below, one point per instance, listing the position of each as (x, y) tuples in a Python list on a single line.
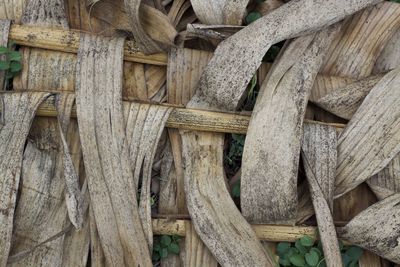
[(12, 10), (235, 61), (18, 111), (145, 124), (319, 157), (220, 11), (377, 229), (345, 101), (214, 214), (45, 13), (354, 52), (390, 56), (371, 138), (386, 182), (271, 155), (102, 131)]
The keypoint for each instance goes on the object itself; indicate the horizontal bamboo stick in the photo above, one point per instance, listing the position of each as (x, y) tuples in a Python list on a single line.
[(189, 119), (68, 41), (273, 233)]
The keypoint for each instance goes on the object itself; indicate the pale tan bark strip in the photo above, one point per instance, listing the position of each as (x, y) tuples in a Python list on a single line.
[(272, 147), (18, 111), (235, 61), (104, 145), (372, 137)]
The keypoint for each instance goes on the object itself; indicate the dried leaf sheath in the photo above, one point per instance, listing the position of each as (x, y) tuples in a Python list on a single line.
[(214, 214), (147, 45), (45, 13), (272, 147), (372, 137), (18, 110), (104, 145), (145, 124), (377, 229), (220, 12), (73, 197), (319, 158), (235, 61)]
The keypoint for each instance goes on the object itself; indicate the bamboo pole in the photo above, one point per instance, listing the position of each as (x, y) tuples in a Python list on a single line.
[(189, 119), (68, 41), (273, 233)]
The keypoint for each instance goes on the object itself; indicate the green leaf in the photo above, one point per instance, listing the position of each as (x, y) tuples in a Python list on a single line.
[(345, 260), (271, 54), (155, 257), (4, 65), (283, 248), (176, 238), (236, 190), (14, 56), (157, 247), (174, 248), (396, 1), (3, 50), (303, 250), (322, 263), (353, 264), (165, 240), (163, 253), (354, 253), (297, 260), (312, 258), (9, 75), (253, 16), (307, 241), (284, 262), (318, 251), (341, 245), (15, 66)]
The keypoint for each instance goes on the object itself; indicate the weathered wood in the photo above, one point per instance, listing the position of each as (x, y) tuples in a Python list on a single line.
[(345, 101), (215, 216), (220, 11), (377, 229), (17, 114), (68, 41), (12, 10), (4, 31), (319, 158), (272, 147), (372, 137), (102, 131), (234, 62)]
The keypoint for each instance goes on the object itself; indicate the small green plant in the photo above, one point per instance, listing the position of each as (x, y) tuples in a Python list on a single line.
[(396, 1), (10, 62), (234, 154), (305, 253), (165, 245)]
